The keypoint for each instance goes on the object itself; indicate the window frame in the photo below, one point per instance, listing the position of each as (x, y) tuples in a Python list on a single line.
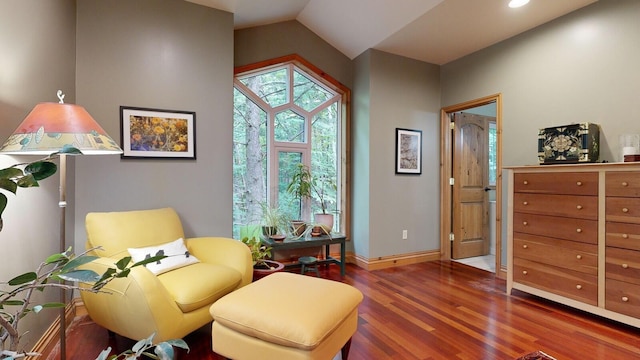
[(344, 150)]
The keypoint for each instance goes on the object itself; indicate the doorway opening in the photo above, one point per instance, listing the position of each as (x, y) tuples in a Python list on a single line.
[(471, 189)]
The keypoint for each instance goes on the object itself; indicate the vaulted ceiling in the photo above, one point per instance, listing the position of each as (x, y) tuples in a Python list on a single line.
[(435, 31)]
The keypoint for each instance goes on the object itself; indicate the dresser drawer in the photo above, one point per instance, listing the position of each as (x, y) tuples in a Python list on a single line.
[(561, 253), (622, 184), (622, 297), (567, 183), (576, 206), (623, 265), (623, 209), (623, 235), (571, 284), (582, 230)]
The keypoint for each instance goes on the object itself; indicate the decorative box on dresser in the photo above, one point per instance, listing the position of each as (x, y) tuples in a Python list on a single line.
[(574, 236)]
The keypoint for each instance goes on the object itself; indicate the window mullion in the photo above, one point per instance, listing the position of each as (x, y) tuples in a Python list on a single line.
[(251, 95), (272, 162)]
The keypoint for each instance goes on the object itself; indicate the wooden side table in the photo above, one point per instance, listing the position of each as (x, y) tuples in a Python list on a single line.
[(313, 241)]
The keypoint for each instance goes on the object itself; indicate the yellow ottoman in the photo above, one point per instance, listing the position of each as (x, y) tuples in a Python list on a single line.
[(286, 316)]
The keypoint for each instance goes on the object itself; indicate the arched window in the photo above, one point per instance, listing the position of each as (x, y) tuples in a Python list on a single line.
[(286, 113)]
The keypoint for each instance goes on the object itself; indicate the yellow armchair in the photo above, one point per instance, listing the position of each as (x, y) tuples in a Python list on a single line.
[(171, 304)]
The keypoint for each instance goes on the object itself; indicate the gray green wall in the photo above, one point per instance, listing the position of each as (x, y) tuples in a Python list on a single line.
[(582, 67), (261, 43), (169, 54), (37, 43), (361, 153), (395, 92), (387, 92)]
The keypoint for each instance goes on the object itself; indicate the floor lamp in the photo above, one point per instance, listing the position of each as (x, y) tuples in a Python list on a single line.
[(47, 129)]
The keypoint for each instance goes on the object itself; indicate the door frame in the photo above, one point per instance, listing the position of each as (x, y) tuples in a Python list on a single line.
[(446, 173)]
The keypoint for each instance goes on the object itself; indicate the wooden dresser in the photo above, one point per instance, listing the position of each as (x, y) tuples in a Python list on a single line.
[(574, 236)]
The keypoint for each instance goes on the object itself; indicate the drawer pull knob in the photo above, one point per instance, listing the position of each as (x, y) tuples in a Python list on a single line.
[(625, 266), (579, 183), (525, 182), (579, 257), (525, 246), (579, 207), (579, 287), (525, 203), (578, 230), (625, 210), (625, 236), (625, 299), (525, 223), (624, 183), (524, 272)]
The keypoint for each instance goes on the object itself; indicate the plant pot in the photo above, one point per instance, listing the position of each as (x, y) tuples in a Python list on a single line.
[(269, 230), (274, 266), (324, 220), (317, 231), (298, 227)]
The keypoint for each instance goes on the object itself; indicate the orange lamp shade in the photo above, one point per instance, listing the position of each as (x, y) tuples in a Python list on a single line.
[(51, 126)]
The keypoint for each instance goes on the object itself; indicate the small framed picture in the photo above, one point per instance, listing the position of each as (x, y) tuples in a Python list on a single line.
[(155, 133), (408, 151)]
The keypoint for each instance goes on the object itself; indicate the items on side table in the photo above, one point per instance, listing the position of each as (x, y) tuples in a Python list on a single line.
[(632, 158), (567, 144), (630, 147)]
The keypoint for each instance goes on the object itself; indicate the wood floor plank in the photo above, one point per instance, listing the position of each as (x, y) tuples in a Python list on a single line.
[(435, 311)]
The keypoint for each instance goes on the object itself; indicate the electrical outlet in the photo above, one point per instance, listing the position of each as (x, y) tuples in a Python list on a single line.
[(404, 234)]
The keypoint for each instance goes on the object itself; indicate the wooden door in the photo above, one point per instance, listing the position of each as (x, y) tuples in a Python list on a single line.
[(470, 218)]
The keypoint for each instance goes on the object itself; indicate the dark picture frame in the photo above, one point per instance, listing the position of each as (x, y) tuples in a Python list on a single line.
[(408, 151), (157, 134)]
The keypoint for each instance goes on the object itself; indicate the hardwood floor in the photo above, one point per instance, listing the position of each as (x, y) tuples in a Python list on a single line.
[(435, 310)]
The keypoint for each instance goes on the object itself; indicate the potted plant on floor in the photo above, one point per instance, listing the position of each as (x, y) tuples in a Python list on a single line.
[(260, 253)]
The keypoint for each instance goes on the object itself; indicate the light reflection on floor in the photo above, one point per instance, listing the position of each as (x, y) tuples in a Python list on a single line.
[(487, 262)]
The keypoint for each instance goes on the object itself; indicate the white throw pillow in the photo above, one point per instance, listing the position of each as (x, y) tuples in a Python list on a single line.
[(176, 252)]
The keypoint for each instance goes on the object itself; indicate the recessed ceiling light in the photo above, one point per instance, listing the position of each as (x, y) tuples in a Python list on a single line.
[(517, 3)]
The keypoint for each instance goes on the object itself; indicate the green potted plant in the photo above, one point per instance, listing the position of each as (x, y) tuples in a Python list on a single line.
[(300, 187), (320, 185), (304, 185), (260, 253), (275, 223)]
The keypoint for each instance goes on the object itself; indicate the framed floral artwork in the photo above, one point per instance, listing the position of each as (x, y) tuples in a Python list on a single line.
[(155, 133), (408, 151)]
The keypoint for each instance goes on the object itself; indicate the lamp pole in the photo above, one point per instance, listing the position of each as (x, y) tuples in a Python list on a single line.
[(62, 204), (48, 128)]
